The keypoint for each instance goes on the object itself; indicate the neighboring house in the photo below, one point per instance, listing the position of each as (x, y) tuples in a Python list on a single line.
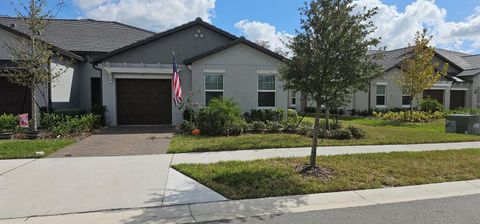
[(79, 87), (460, 88), (129, 70)]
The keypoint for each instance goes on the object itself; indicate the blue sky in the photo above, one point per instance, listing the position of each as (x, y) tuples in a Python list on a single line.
[(455, 24)]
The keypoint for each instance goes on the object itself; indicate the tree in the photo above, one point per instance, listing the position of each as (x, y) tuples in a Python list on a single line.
[(330, 55), (31, 55), (419, 71)]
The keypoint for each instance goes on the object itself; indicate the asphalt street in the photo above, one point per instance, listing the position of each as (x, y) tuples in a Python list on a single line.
[(455, 210)]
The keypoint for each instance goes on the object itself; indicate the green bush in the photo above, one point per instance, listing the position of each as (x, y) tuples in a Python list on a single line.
[(218, 117), (430, 105), (258, 126), (274, 126), (265, 115), (407, 116), (341, 134), (8, 122), (357, 133), (61, 124), (305, 128), (100, 111), (474, 111), (187, 126), (334, 125)]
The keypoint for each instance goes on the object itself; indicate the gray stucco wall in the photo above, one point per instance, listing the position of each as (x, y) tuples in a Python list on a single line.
[(184, 43), (241, 64)]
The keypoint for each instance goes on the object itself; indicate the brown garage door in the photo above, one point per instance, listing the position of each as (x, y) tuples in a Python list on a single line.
[(14, 99), (457, 99), (434, 94), (143, 102)]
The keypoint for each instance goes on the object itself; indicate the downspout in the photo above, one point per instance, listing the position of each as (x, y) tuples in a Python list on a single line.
[(369, 96)]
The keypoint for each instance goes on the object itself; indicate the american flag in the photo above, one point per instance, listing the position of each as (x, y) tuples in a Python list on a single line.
[(176, 86)]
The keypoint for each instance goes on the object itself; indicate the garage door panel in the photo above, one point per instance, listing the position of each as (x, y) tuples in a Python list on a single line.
[(143, 102), (14, 99)]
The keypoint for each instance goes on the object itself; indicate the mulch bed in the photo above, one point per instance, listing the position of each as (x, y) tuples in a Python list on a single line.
[(322, 173)]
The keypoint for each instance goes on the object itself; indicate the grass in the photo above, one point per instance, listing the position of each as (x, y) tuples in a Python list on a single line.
[(277, 177), (22, 149), (378, 133)]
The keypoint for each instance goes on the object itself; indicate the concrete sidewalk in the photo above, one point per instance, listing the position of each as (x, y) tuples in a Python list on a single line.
[(74, 185), (226, 210), (245, 155)]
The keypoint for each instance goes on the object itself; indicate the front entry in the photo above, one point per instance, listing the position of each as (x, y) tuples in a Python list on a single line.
[(457, 99), (434, 94), (144, 102), (14, 99)]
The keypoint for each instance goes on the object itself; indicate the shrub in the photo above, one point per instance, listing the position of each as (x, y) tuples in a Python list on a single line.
[(305, 128), (430, 105), (100, 111), (258, 126), (474, 111), (274, 126), (61, 124), (265, 115), (341, 134), (187, 126), (407, 116), (8, 122), (237, 127), (334, 125), (218, 116), (188, 114), (357, 133)]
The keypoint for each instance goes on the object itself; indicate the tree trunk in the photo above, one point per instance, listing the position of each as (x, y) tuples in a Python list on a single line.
[(34, 110), (327, 117), (313, 155)]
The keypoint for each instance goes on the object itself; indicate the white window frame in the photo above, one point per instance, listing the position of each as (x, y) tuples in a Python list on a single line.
[(384, 95), (210, 72), (294, 96), (269, 73)]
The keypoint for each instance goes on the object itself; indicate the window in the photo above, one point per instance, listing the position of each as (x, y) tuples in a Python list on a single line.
[(213, 87), (294, 99), (266, 90), (406, 100), (381, 95)]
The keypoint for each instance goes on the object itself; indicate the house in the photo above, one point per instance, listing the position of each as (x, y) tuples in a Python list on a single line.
[(129, 70), (460, 87)]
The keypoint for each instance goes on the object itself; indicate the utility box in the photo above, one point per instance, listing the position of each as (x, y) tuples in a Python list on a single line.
[(463, 124)]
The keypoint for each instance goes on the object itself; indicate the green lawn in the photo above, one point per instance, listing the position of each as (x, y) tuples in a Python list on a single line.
[(21, 149), (378, 133), (277, 177)]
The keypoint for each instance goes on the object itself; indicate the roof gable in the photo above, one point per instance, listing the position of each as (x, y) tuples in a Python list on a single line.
[(240, 40), (197, 22)]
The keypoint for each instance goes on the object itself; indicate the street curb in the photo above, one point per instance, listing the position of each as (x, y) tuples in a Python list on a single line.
[(225, 210)]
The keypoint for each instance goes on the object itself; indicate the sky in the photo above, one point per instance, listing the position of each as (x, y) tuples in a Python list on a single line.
[(455, 24)]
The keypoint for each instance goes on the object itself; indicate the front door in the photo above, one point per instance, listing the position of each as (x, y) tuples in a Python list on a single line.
[(144, 102)]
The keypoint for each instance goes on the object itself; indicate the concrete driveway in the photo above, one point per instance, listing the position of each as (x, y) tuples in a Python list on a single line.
[(72, 185), (121, 141)]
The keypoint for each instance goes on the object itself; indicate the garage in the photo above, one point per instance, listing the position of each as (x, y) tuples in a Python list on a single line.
[(144, 102), (434, 94), (14, 99)]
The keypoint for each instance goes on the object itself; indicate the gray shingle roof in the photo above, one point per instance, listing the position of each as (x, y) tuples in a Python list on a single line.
[(465, 62), (84, 35)]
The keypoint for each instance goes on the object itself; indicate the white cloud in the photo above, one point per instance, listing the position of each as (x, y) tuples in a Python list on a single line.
[(397, 28), (258, 31), (154, 15)]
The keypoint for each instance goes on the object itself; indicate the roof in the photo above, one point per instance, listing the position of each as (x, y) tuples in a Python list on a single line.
[(240, 40), (462, 61), (157, 36), (84, 35), (60, 50)]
